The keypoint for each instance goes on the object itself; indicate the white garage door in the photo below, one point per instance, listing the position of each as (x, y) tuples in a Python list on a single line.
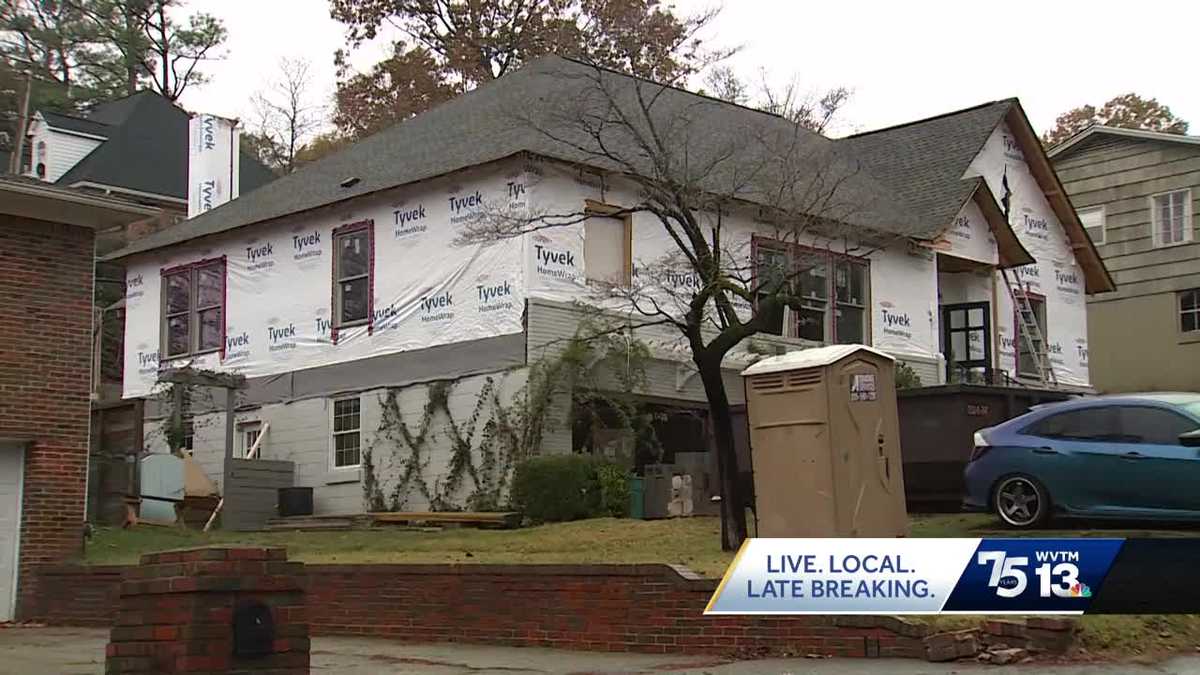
[(10, 525)]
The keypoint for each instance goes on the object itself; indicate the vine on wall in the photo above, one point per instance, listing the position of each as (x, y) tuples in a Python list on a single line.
[(601, 366)]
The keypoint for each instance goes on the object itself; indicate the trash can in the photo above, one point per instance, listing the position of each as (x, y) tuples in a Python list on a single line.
[(637, 508), (825, 442), (295, 501)]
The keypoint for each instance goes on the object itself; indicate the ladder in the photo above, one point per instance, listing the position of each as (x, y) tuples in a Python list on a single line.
[(1030, 331)]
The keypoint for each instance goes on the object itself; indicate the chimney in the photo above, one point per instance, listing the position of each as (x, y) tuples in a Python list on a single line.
[(212, 162)]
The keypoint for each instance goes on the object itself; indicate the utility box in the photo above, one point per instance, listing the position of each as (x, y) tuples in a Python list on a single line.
[(825, 442)]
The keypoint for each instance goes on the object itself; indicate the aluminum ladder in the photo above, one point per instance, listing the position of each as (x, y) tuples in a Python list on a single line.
[(1030, 331)]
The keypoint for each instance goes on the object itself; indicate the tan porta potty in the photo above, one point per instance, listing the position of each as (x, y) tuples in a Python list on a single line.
[(825, 439)]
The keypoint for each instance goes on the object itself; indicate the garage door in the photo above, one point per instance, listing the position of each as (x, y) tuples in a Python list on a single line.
[(10, 524)]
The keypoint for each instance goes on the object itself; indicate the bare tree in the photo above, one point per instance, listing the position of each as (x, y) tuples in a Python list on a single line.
[(287, 115), (695, 167)]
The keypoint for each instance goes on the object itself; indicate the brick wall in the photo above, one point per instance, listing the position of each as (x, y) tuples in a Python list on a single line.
[(644, 608), (45, 380)]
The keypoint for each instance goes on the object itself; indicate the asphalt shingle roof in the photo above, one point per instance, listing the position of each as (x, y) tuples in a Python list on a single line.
[(923, 162), (72, 123), (146, 149), (487, 124)]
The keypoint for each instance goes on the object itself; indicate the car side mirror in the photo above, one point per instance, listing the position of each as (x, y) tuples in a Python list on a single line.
[(1190, 439)]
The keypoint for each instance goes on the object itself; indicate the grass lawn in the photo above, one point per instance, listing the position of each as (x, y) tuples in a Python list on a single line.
[(694, 542)]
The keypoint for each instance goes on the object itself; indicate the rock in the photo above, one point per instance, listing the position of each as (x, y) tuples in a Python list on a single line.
[(997, 647), (984, 657), (1005, 656), (1050, 623)]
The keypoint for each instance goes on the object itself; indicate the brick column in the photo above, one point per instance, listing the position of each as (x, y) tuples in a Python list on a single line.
[(176, 613)]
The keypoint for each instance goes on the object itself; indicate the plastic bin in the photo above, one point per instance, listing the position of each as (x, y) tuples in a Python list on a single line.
[(637, 495)]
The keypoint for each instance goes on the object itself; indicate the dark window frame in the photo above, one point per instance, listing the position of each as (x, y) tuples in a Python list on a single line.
[(948, 332), (193, 310), (1194, 311), (336, 324), (830, 301)]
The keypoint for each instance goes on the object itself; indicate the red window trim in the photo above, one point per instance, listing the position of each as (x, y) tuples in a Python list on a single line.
[(367, 224), (830, 294), (1029, 295), (188, 267)]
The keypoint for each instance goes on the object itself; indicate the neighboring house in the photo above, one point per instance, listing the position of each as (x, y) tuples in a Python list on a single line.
[(134, 147), (46, 260), (1136, 192), (340, 290)]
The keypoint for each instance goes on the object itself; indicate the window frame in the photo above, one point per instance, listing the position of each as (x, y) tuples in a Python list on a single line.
[(333, 433), (1156, 232), (1180, 311), (194, 310), (1121, 410), (336, 324), (244, 428), (829, 313), (602, 210), (1044, 328), (1103, 222)]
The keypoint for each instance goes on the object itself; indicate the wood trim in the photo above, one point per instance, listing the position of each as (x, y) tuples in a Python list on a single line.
[(595, 208)]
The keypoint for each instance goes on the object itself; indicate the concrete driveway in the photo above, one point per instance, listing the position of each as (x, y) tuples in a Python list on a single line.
[(80, 651)]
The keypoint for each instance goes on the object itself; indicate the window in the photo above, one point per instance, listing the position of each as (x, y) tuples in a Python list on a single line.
[(832, 290), (1144, 424), (1091, 424), (1026, 362), (1093, 222), (1189, 310), (1171, 217), (346, 438), (607, 256), (249, 432), (189, 433), (353, 267), (193, 308)]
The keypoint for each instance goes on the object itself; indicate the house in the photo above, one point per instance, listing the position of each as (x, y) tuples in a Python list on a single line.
[(47, 238), (1135, 192), (384, 355), (135, 147)]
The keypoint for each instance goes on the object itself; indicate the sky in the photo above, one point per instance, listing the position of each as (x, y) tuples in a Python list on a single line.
[(902, 60)]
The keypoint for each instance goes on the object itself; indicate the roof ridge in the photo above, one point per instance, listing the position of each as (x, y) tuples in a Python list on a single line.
[(1011, 99)]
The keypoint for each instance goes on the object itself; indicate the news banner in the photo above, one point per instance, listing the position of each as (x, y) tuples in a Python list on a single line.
[(963, 576)]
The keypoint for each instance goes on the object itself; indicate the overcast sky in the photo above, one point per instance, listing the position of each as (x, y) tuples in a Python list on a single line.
[(903, 60)]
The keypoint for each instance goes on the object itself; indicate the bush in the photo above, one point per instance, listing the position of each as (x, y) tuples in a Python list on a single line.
[(557, 488), (614, 490), (570, 487)]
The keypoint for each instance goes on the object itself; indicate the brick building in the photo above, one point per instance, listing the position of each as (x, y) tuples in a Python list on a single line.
[(47, 239)]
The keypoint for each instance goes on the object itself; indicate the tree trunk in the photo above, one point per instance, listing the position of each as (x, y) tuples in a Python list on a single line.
[(733, 502)]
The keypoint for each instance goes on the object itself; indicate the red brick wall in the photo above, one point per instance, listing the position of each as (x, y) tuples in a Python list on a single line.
[(644, 608), (45, 380)]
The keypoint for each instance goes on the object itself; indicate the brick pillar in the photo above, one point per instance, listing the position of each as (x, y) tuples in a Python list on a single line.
[(176, 612)]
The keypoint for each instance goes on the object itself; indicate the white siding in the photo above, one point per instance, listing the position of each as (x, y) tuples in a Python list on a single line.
[(63, 150)]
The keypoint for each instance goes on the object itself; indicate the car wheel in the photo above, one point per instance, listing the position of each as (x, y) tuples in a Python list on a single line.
[(1021, 501)]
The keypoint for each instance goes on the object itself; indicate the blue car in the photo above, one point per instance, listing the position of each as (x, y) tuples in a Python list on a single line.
[(1134, 456)]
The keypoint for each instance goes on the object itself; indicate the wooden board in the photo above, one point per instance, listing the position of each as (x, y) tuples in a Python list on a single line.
[(500, 518)]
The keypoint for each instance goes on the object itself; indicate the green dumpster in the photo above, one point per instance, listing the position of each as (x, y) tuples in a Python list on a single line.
[(636, 489)]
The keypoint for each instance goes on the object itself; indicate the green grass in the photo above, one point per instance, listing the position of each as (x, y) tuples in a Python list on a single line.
[(694, 542)]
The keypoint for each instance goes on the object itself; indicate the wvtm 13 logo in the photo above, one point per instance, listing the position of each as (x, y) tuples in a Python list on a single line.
[(1057, 574)]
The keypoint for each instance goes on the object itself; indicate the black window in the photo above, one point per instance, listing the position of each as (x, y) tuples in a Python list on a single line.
[(1144, 424), (352, 274), (831, 291), (1189, 310), (1085, 424), (193, 308)]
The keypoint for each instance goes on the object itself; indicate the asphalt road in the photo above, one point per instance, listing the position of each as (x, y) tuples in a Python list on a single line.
[(78, 651)]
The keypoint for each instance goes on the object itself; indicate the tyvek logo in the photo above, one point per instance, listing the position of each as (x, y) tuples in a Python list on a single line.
[(147, 361), (409, 220), (1012, 149), (962, 228), (260, 256), (682, 279), (237, 346), (464, 208), (1036, 227), (281, 337), (436, 308), (208, 132), (306, 246), (494, 297), (1081, 352), (1067, 282), (134, 287), (516, 192), (1008, 345), (896, 323), (385, 317), (1029, 275), (1055, 351), (209, 191), (324, 325), (553, 262)]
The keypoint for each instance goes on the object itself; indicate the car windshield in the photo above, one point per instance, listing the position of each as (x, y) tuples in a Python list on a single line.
[(1192, 407)]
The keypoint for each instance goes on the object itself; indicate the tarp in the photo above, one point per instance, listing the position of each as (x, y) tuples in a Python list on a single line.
[(213, 166)]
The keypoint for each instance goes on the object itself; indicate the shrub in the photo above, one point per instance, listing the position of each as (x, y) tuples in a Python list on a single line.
[(614, 490), (906, 377), (557, 488)]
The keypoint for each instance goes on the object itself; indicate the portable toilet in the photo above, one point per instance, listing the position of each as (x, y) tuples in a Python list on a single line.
[(825, 443)]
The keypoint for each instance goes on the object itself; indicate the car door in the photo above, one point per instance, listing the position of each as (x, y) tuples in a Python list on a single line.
[(1162, 473), (1072, 454)]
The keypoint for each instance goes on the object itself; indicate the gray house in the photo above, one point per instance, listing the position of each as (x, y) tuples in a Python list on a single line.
[(386, 358), (1136, 191)]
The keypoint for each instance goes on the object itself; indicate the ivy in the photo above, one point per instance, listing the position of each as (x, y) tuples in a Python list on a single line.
[(601, 367)]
